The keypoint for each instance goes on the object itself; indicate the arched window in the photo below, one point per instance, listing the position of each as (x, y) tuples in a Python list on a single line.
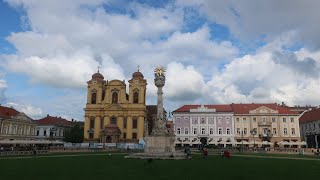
[(136, 97), (94, 98), (115, 97), (103, 94), (113, 120)]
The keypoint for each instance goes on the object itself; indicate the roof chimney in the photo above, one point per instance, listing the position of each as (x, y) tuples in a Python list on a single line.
[(47, 115), (72, 120)]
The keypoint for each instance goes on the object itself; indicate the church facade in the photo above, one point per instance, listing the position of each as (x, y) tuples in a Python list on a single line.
[(111, 114)]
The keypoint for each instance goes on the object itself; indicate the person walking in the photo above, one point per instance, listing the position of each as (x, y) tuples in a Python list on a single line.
[(188, 153), (205, 153)]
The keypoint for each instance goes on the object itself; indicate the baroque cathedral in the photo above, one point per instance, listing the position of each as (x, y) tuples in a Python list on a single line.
[(111, 114)]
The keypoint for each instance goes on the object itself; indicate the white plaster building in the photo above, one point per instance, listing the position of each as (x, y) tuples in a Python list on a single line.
[(206, 124), (52, 128)]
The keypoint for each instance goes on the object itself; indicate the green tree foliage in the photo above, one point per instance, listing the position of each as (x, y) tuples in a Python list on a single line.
[(75, 134)]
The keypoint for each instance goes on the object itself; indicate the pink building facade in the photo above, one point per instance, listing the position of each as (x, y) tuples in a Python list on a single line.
[(209, 124)]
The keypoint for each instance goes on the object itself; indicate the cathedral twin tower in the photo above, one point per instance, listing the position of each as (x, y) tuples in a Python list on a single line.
[(111, 114)]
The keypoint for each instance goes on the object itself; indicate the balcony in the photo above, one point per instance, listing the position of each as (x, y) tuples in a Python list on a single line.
[(264, 123)]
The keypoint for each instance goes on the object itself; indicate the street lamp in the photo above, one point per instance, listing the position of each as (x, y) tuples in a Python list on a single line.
[(90, 131), (52, 130), (242, 140), (253, 132), (103, 133)]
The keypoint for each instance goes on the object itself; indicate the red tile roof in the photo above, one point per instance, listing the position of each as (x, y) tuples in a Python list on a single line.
[(309, 116), (50, 120), (239, 108), (219, 108), (245, 108), (8, 112)]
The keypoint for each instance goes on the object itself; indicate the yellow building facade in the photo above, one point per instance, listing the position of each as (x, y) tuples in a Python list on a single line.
[(111, 114)]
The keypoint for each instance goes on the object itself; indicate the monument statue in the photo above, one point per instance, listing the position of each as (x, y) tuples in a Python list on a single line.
[(160, 142)]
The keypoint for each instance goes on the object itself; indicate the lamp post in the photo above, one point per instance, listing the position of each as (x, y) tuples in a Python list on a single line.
[(103, 133), (253, 133), (90, 131), (52, 130), (242, 140)]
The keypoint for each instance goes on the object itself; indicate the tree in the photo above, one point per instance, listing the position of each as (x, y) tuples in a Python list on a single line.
[(75, 134)]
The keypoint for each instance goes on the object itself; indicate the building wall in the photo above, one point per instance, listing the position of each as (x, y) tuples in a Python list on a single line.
[(270, 120), (17, 127), (43, 131), (123, 110), (204, 121)]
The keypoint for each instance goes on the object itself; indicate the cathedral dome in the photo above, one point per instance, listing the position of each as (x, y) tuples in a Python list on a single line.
[(137, 74), (97, 76)]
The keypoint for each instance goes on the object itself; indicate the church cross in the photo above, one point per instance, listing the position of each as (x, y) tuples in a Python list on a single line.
[(99, 68), (138, 67)]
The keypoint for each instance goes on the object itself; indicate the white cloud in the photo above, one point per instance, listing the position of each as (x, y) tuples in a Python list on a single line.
[(251, 20), (28, 109)]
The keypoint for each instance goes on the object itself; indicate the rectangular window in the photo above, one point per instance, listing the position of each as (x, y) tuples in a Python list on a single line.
[(238, 120), (178, 131), (92, 123), (194, 130), (219, 121), (285, 131), (238, 130), (227, 121), (178, 120), (101, 123), (203, 131), (244, 120), (292, 119), (220, 131), (186, 120), (125, 122), (284, 120), (186, 131), (211, 130), (194, 120), (124, 135), (274, 130), (135, 123), (203, 120), (293, 131), (228, 131), (44, 133), (273, 119), (134, 135), (245, 131), (38, 132), (90, 135), (254, 119), (211, 120)]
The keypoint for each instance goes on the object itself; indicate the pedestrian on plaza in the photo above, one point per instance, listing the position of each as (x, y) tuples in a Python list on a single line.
[(188, 152), (205, 153)]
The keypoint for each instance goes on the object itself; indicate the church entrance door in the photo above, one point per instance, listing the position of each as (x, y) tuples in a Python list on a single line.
[(109, 139)]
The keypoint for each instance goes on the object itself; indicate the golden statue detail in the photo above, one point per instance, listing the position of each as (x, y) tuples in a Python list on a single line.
[(159, 71)]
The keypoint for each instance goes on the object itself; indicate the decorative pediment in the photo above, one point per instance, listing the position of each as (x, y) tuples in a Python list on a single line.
[(114, 107), (22, 117), (263, 110), (202, 108)]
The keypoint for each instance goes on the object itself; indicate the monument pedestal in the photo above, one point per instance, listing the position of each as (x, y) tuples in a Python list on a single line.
[(159, 144)]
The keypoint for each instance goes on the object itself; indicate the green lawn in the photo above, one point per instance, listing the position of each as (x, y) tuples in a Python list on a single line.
[(100, 166)]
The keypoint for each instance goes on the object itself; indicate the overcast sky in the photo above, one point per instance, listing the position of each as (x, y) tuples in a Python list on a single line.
[(214, 51)]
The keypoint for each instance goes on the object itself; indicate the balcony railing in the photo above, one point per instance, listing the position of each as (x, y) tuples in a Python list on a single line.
[(264, 123)]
